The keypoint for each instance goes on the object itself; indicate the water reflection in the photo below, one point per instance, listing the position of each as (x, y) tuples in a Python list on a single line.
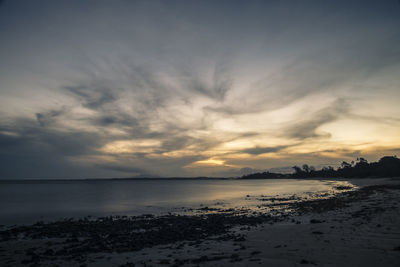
[(29, 202)]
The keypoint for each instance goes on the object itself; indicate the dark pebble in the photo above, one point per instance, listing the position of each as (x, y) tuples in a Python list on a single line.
[(317, 233)]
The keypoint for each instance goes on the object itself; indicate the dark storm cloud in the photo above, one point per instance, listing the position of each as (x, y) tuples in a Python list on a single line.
[(106, 120), (48, 117), (10, 142), (118, 118), (31, 151), (262, 150), (25, 134), (92, 97)]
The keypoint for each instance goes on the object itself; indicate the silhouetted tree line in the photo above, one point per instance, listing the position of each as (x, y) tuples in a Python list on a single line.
[(388, 166)]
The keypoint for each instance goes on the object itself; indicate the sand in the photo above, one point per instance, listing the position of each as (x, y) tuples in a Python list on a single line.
[(359, 230)]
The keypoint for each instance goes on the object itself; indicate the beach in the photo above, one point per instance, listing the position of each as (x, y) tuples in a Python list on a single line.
[(199, 133), (354, 226)]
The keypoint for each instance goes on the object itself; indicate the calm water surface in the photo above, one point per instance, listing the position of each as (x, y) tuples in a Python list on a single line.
[(27, 202)]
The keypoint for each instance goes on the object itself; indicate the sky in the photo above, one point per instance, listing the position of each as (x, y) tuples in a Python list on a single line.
[(100, 89)]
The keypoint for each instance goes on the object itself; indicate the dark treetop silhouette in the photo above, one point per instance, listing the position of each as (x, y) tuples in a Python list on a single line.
[(388, 166)]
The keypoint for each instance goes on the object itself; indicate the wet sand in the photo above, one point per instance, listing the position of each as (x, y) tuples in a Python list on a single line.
[(354, 227)]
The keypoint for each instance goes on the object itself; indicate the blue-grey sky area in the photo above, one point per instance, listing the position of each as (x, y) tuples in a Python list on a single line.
[(191, 88)]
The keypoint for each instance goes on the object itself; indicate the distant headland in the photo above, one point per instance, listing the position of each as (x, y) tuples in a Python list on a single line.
[(387, 166)]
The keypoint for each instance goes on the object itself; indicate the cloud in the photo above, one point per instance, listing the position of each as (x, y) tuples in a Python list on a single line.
[(153, 73), (92, 97), (30, 150), (307, 128), (46, 118), (262, 150), (214, 86), (124, 169)]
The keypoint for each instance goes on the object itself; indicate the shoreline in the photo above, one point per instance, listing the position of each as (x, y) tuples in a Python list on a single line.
[(55, 180), (216, 237)]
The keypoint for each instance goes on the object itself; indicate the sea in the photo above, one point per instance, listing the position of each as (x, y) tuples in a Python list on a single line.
[(26, 202)]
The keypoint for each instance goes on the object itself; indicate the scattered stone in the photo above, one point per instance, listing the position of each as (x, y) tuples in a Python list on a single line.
[(303, 261), (77, 238), (240, 239), (235, 257), (128, 264), (164, 261), (317, 233)]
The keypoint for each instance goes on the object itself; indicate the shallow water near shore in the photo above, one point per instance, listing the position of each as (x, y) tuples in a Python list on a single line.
[(31, 201)]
